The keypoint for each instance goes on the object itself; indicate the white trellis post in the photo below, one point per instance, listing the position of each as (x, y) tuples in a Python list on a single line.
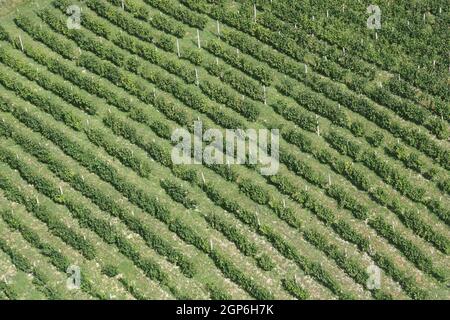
[(306, 68), (61, 190), (265, 94), (178, 48), (254, 11), (211, 244), (21, 42), (218, 27), (123, 5), (203, 177), (196, 77), (217, 60), (198, 39), (376, 35), (328, 14)]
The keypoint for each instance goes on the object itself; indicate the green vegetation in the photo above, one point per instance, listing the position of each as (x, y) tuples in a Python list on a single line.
[(87, 178)]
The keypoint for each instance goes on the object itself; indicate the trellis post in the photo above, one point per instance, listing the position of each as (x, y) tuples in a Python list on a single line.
[(21, 42)]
